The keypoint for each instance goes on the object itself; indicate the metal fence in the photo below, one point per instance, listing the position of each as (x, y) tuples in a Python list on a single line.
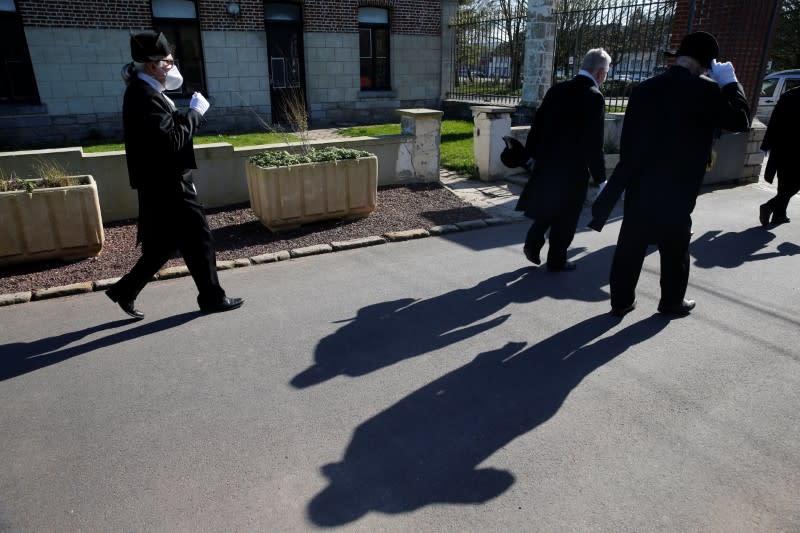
[(635, 33), (488, 56)]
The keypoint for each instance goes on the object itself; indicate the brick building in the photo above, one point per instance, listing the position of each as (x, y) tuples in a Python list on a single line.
[(345, 61)]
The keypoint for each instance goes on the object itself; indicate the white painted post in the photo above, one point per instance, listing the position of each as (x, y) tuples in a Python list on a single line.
[(426, 127), (491, 124), (540, 41)]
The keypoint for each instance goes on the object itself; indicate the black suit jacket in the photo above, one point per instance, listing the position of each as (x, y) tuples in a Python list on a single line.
[(669, 128), (780, 140), (566, 141), (160, 155)]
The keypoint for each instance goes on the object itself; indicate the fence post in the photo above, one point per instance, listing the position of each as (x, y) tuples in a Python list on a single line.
[(491, 124), (539, 48), (426, 127)]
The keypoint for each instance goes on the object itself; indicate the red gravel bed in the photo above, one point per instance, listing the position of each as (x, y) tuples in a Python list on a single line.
[(239, 234)]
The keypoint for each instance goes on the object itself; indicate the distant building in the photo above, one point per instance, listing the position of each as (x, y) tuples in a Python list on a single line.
[(348, 61)]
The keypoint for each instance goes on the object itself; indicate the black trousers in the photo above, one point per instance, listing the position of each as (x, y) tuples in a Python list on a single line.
[(187, 232), (562, 228), (786, 189), (673, 249)]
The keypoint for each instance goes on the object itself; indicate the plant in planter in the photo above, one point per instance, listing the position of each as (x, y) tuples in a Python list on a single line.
[(287, 190), (53, 216)]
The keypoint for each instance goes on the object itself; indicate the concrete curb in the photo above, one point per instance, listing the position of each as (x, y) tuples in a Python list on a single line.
[(273, 257)]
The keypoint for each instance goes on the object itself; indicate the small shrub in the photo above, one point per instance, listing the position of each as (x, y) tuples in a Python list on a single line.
[(282, 158)]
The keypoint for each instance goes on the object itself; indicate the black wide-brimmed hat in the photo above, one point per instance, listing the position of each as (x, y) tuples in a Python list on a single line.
[(699, 45), (514, 154), (149, 46)]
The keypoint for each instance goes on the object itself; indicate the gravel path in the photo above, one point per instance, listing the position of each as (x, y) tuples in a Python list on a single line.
[(239, 234)]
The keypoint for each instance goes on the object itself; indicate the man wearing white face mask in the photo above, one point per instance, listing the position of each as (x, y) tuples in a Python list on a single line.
[(160, 157)]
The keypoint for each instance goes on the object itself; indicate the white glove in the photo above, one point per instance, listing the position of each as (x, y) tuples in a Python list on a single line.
[(199, 103), (723, 73)]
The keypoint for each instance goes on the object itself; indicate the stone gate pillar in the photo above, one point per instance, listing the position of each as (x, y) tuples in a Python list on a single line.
[(539, 49)]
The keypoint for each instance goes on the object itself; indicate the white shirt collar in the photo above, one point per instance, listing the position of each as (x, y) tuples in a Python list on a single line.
[(588, 74), (154, 83)]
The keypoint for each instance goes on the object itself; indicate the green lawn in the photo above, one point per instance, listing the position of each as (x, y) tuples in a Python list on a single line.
[(456, 147), (243, 139)]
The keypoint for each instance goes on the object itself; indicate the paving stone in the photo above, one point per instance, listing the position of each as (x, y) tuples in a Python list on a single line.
[(273, 257), (64, 290), (174, 272), (358, 243), (225, 265), (103, 284), (405, 235), (241, 262), (441, 230), (311, 250), (472, 224), (15, 298)]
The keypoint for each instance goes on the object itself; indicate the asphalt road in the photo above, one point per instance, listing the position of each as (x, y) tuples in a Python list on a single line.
[(440, 384)]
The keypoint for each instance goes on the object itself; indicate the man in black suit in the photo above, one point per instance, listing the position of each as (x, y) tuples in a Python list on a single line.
[(566, 144), (669, 127), (160, 156), (783, 161)]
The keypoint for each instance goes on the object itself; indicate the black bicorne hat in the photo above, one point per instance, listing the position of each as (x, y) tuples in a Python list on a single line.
[(699, 45), (149, 46)]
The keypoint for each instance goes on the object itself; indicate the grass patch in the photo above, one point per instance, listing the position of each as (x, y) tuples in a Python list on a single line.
[(456, 147), (243, 139)]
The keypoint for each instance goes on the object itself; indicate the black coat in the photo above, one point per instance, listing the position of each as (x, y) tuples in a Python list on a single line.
[(566, 141), (669, 128), (160, 157), (780, 139)]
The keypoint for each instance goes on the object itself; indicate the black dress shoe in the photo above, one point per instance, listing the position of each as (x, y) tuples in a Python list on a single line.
[(683, 308), (566, 267), (780, 219), (622, 311), (532, 256), (125, 305), (226, 304), (763, 214)]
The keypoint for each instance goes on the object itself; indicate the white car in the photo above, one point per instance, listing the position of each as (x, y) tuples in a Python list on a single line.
[(774, 85)]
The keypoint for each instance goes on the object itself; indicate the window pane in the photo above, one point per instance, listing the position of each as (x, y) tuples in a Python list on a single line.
[(277, 64), (381, 74), (7, 5), (789, 84), (381, 42), (174, 9), (373, 15), (187, 50), (366, 74), (365, 42), (768, 87), (282, 12)]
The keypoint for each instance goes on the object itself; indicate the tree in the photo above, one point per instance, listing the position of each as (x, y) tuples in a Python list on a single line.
[(785, 51)]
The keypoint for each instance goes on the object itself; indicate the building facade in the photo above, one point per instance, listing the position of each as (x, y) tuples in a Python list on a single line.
[(258, 62)]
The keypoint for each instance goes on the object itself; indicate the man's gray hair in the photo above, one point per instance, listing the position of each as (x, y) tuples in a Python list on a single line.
[(596, 58)]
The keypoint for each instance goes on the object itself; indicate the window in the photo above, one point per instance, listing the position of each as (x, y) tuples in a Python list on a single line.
[(373, 29), (768, 87), (177, 19), (17, 82), (790, 83)]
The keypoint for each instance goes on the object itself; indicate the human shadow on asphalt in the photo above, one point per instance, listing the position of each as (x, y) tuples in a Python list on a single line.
[(386, 333), (733, 249), (427, 448), (22, 357)]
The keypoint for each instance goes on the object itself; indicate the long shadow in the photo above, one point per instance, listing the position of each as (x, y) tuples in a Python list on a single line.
[(386, 333), (733, 249), (426, 448), (22, 357)]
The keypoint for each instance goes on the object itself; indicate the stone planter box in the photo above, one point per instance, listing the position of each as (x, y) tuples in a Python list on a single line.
[(286, 197), (62, 222)]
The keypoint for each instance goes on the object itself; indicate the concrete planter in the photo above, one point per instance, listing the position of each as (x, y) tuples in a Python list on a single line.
[(285, 197), (62, 222)]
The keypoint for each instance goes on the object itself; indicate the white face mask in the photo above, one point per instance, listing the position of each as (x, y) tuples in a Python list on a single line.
[(174, 80)]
